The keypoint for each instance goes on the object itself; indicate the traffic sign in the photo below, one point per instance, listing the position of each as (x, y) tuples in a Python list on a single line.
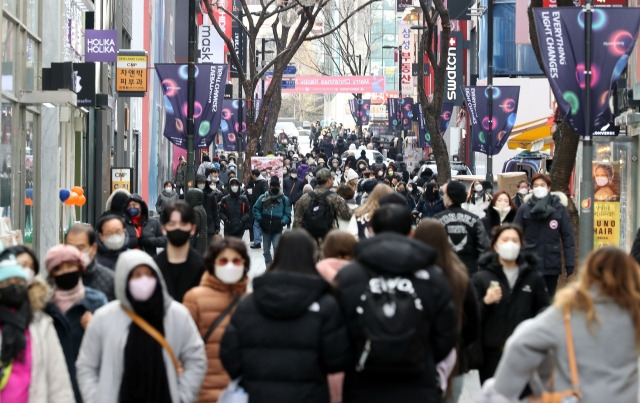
[(290, 70), (288, 84)]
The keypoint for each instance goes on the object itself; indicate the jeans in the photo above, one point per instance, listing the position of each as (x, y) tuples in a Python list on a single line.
[(257, 232), (268, 240)]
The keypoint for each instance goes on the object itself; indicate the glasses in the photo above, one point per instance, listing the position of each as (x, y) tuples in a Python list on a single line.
[(223, 261)]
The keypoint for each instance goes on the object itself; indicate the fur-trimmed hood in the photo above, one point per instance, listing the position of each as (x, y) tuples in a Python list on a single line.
[(562, 198), (39, 293)]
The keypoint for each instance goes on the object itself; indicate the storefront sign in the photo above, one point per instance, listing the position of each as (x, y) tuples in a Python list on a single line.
[(406, 55), (101, 45), (84, 83), (131, 74), (335, 84), (453, 82), (210, 44), (121, 178)]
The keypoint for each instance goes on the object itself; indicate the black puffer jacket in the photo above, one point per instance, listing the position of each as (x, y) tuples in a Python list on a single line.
[(195, 198), (151, 236), (292, 188), (394, 255), (211, 208), (235, 212), (284, 338), (527, 298)]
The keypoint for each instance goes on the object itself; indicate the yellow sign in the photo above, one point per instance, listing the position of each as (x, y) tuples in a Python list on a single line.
[(606, 224), (121, 179), (131, 73)]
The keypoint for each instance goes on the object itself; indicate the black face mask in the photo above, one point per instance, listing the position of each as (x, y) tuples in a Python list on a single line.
[(13, 295), (178, 237), (67, 281)]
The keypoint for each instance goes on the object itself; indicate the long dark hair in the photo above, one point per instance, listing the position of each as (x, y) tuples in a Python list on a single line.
[(296, 253)]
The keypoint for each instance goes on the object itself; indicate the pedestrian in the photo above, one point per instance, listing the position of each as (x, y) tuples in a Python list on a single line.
[(181, 265), (301, 336), (255, 188), (72, 305), (178, 178), (143, 347), (38, 288), (214, 181), (33, 363), (510, 291), (144, 231), (212, 303), (501, 211), (338, 249), (399, 364), (292, 187), (432, 232), (601, 310), (95, 275), (112, 240), (235, 211), (523, 190), (116, 203), (199, 240), (478, 199), (205, 165), (273, 212), (465, 231), (401, 188), (168, 195), (547, 230), (360, 224), (210, 204), (431, 203)]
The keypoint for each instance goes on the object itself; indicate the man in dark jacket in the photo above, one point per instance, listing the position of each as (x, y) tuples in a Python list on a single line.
[(255, 188), (390, 254), (523, 190), (195, 198), (235, 211), (292, 187), (467, 235), (272, 211), (180, 264), (546, 222), (112, 240), (145, 232), (211, 199)]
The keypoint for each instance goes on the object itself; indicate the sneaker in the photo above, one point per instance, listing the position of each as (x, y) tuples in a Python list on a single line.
[(256, 246)]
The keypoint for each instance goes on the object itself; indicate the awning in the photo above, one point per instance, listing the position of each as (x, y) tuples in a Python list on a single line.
[(532, 136)]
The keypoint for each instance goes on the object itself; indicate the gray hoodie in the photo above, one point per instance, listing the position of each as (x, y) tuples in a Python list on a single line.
[(101, 360)]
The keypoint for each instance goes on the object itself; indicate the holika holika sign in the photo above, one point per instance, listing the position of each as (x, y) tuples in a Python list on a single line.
[(101, 45)]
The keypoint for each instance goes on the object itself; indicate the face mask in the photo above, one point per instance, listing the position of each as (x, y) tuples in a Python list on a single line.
[(508, 251), (234, 189), (478, 188), (601, 181), (215, 179), (114, 242), (523, 191), (293, 175), (178, 237), (168, 188), (201, 186), (133, 211), (142, 288), (540, 192), (229, 273), (390, 172), (380, 173), (335, 164), (13, 295), (86, 258), (67, 281), (410, 189), (274, 191), (361, 166), (30, 274)]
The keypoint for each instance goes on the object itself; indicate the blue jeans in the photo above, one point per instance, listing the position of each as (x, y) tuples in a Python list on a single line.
[(268, 240), (257, 232)]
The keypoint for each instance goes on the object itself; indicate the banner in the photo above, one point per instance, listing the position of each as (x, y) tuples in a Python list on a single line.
[(84, 83), (101, 45), (406, 54), (209, 92), (407, 113), (394, 113), (360, 111), (505, 106), (239, 37), (402, 5), (453, 81), (424, 137), (273, 166), (334, 84), (606, 206), (561, 36), (445, 116)]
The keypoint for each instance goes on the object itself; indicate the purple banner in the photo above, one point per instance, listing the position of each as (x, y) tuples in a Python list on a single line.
[(505, 106), (101, 45), (207, 112), (561, 37), (407, 113), (445, 116), (394, 112), (424, 137), (360, 111)]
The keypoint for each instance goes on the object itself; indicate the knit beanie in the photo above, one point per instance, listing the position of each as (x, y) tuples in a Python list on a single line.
[(63, 253), (9, 267)]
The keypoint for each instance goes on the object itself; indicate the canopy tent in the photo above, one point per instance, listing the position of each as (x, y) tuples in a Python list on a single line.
[(532, 136)]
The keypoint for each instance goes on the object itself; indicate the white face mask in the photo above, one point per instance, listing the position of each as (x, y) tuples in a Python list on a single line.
[(229, 273), (410, 188), (508, 251), (86, 258), (114, 242), (602, 181), (234, 189), (142, 288), (294, 175), (361, 166), (380, 173), (523, 191), (478, 188), (540, 192), (30, 274), (200, 186), (213, 179), (168, 188)]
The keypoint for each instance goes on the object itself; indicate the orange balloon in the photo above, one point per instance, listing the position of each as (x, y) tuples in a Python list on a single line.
[(72, 199), (28, 201), (78, 190), (81, 201)]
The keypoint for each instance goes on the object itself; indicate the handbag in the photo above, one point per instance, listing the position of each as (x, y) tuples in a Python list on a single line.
[(151, 331), (566, 396), (224, 313), (234, 393)]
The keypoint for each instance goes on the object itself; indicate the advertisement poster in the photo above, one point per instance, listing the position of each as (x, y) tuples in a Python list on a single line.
[(606, 219), (230, 126), (271, 165)]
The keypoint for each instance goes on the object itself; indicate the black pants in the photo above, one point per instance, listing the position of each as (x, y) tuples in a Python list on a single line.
[(552, 284), (239, 234), (490, 359)]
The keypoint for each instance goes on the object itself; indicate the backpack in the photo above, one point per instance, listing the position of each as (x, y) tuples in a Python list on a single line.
[(318, 218), (391, 328)]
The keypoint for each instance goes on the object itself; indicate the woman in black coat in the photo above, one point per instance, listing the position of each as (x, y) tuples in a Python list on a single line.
[(510, 291), (287, 335), (501, 210)]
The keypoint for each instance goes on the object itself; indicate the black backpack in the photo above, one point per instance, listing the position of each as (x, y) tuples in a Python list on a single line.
[(318, 218), (392, 331)]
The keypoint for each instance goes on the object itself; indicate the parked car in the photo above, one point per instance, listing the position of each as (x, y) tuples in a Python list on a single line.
[(457, 168), (371, 156), (288, 127)]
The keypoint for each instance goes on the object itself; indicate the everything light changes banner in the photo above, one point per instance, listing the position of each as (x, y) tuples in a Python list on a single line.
[(360, 111)]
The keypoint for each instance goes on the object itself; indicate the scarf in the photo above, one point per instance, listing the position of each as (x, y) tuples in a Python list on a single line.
[(144, 378), (14, 326), (541, 209), (66, 299), (137, 223)]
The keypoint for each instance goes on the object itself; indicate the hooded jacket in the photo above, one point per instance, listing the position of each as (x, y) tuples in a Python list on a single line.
[(272, 212), (195, 198), (211, 199), (302, 170), (256, 188), (393, 255), (284, 338), (105, 256), (100, 365), (527, 298), (292, 188), (164, 198), (151, 236), (206, 303), (235, 212), (543, 237), (116, 203)]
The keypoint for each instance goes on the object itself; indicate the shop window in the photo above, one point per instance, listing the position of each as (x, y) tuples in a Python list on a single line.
[(6, 172), (8, 54), (32, 13)]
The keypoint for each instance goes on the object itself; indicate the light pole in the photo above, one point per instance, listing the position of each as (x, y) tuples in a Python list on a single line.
[(262, 58), (191, 91), (586, 184), (489, 176)]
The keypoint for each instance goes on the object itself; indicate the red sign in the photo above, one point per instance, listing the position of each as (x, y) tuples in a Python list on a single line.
[(335, 84), (223, 18), (597, 3)]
